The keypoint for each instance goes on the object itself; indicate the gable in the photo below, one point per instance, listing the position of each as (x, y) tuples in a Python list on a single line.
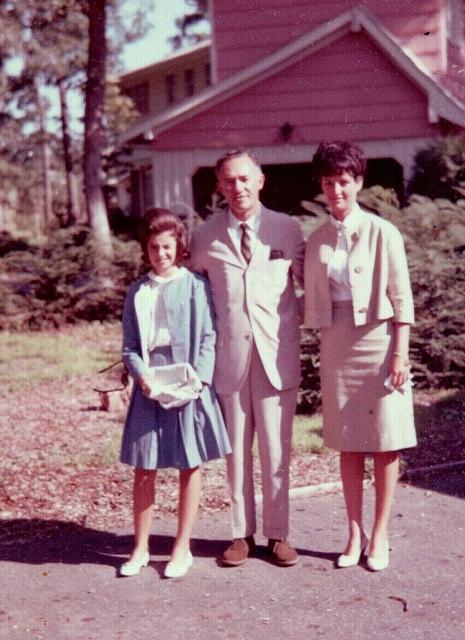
[(246, 30), (346, 90)]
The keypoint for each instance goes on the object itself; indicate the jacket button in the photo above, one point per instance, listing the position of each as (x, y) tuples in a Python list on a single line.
[(247, 336), (363, 310), (358, 269)]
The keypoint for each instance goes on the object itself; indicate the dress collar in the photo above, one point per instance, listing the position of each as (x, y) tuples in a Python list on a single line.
[(160, 280), (350, 222)]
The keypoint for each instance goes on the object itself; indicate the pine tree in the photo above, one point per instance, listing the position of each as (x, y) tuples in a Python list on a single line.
[(188, 23)]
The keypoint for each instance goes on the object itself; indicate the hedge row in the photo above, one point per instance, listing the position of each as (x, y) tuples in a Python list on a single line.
[(47, 286), (434, 234)]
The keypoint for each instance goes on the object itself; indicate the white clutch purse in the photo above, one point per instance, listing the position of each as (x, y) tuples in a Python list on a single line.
[(174, 385)]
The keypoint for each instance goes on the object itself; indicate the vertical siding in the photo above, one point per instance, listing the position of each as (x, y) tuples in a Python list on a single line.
[(247, 30), (347, 90)]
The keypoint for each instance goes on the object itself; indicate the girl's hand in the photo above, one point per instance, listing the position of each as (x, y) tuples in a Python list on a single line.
[(399, 369), (144, 385)]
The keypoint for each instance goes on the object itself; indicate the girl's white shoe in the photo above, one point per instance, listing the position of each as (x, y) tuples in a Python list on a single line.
[(179, 568), (133, 567), (380, 561), (353, 559)]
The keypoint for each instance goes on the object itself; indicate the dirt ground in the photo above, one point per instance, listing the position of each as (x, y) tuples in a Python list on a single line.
[(60, 455)]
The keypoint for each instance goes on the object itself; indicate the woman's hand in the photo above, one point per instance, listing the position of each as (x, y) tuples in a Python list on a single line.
[(399, 369), (145, 386)]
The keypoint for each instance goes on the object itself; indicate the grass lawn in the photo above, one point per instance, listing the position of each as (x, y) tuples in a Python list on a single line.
[(35, 358)]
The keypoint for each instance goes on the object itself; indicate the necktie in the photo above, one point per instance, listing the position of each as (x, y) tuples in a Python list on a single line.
[(245, 243)]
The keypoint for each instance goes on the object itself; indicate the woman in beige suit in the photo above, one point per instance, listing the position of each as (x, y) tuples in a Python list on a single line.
[(357, 290)]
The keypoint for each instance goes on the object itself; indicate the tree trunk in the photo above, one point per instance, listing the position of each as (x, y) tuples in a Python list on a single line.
[(93, 129), (47, 182), (72, 207)]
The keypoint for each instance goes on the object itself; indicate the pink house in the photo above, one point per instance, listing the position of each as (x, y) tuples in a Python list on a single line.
[(287, 74)]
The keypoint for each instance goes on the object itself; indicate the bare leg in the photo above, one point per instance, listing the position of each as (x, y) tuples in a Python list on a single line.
[(189, 498), (143, 498), (352, 466), (386, 475)]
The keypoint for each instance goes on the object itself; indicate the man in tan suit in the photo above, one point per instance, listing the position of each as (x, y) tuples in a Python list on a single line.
[(251, 255)]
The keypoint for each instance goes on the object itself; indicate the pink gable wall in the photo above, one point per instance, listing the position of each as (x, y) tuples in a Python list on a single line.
[(247, 30), (348, 90)]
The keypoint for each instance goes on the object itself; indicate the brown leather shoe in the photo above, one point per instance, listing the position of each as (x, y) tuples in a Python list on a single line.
[(238, 552), (282, 553)]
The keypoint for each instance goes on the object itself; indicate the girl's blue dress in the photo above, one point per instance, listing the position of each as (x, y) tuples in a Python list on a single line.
[(184, 437)]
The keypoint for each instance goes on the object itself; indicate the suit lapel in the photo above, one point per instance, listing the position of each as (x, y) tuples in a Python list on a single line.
[(328, 245), (266, 236), (353, 238), (222, 245)]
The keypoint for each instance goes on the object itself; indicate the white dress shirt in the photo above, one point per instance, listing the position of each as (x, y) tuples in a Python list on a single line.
[(339, 283), (158, 334), (235, 231)]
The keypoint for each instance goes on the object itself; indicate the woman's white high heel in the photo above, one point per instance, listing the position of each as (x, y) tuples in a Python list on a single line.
[(346, 560), (133, 567), (380, 561), (179, 568)]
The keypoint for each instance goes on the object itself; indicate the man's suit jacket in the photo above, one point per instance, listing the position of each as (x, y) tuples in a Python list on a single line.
[(378, 273), (253, 302)]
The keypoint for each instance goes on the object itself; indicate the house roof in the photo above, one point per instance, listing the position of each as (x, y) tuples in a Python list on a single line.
[(168, 61), (441, 102)]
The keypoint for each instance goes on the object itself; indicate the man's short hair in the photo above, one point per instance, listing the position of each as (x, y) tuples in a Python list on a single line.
[(235, 153), (334, 158)]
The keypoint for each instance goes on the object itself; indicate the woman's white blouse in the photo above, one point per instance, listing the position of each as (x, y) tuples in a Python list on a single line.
[(338, 271), (158, 334)]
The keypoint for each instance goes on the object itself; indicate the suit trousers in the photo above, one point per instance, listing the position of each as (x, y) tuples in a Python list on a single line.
[(259, 408)]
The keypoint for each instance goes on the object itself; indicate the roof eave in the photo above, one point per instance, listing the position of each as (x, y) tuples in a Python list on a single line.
[(441, 103)]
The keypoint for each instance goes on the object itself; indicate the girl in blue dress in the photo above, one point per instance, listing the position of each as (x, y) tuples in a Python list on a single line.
[(167, 319)]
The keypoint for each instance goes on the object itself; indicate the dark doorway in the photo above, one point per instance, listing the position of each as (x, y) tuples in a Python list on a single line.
[(386, 172), (286, 185), (203, 188)]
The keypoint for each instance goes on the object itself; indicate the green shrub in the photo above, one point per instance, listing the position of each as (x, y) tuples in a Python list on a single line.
[(60, 283), (44, 287), (434, 234), (439, 169)]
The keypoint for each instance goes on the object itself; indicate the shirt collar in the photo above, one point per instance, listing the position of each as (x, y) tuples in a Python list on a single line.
[(154, 279), (252, 222), (350, 222)]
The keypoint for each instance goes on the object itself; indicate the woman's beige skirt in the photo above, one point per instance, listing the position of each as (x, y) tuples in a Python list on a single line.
[(359, 412)]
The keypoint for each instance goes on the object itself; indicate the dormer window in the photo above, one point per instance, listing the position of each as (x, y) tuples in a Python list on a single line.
[(170, 88), (139, 94), (208, 74), (188, 82)]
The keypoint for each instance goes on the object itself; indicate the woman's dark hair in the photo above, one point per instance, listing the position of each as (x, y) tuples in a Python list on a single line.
[(334, 158), (155, 221)]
